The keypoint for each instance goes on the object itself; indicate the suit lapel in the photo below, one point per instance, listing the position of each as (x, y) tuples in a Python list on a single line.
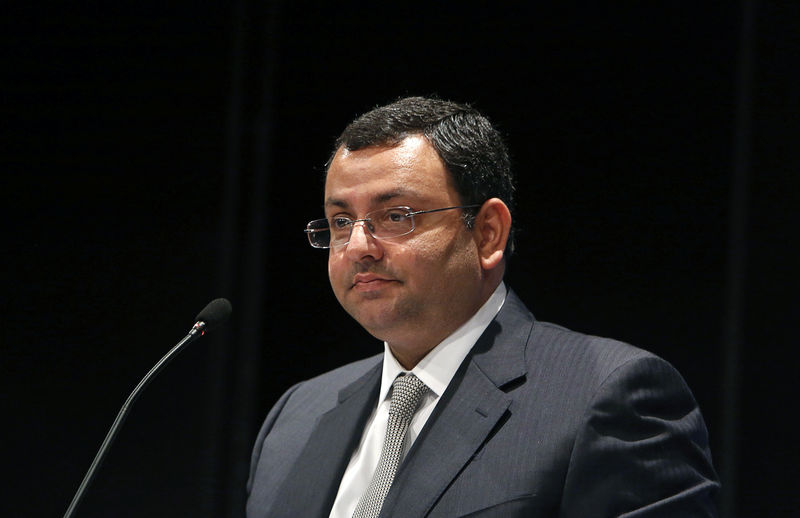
[(445, 446), (311, 486), (471, 407)]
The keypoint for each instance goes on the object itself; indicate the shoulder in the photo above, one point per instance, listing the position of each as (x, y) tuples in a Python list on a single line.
[(551, 342), (321, 392), (635, 425), (590, 362), (564, 361), (559, 350), (290, 421)]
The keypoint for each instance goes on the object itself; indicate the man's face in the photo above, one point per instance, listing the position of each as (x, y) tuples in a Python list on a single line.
[(412, 290)]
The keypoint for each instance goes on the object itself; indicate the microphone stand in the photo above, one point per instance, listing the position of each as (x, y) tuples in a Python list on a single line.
[(197, 331)]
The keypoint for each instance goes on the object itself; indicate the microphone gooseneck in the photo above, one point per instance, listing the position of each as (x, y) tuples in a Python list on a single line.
[(215, 313)]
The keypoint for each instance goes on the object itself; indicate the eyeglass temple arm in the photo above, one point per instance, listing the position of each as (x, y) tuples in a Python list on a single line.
[(443, 208)]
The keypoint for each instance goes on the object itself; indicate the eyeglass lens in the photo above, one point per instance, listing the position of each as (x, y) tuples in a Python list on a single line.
[(381, 224)]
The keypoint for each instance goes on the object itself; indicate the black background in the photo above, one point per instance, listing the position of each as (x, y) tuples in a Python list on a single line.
[(158, 156)]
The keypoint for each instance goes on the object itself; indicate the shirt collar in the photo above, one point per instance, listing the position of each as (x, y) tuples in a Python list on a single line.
[(439, 366)]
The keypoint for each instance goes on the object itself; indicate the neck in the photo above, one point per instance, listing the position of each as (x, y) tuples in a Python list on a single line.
[(411, 349), (408, 359)]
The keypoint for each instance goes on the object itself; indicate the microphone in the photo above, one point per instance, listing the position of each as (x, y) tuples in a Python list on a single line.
[(213, 315)]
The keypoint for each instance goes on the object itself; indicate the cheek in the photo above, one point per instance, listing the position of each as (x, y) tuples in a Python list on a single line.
[(431, 264), (336, 278), (334, 269), (458, 263)]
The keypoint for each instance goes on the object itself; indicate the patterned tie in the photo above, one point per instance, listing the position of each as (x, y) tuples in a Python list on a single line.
[(407, 393)]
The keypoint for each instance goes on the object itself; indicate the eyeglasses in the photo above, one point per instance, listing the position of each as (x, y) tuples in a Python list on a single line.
[(381, 224)]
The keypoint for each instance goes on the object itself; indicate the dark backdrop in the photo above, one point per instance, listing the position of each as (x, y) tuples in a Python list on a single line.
[(156, 157)]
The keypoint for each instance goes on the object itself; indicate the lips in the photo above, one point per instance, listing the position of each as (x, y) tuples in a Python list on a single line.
[(370, 281)]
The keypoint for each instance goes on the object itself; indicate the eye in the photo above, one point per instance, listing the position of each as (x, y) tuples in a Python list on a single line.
[(339, 222), (396, 215)]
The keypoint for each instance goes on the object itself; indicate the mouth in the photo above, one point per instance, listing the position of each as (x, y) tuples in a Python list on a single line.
[(370, 282)]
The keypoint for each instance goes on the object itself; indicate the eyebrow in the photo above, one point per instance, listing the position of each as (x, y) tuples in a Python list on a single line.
[(380, 198)]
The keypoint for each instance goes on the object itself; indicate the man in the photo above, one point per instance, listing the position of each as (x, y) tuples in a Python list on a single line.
[(474, 408)]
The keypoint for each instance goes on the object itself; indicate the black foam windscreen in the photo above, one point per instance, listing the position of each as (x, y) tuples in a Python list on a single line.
[(215, 313)]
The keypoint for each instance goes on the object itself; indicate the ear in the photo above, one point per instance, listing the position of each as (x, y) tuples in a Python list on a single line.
[(491, 229)]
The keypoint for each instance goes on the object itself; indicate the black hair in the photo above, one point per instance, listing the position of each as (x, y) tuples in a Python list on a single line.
[(470, 147)]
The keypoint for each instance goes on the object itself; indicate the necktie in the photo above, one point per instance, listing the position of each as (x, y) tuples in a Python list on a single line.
[(407, 393)]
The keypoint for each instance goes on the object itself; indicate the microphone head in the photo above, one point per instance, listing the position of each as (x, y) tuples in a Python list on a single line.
[(216, 313)]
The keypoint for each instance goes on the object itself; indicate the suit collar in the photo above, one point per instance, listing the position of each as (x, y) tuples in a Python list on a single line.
[(311, 486), (500, 351), (365, 382), (471, 408), (437, 368)]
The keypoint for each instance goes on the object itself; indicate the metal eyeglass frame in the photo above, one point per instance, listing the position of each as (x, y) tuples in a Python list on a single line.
[(352, 223)]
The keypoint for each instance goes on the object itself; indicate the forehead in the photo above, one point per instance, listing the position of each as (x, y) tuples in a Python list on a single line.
[(408, 173)]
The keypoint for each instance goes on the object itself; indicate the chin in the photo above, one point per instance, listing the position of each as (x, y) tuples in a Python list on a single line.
[(377, 321), (374, 324)]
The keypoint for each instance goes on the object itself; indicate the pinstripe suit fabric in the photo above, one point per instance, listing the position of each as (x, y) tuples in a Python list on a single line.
[(539, 421)]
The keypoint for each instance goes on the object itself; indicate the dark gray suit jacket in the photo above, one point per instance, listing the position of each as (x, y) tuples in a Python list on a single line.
[(538, 421)]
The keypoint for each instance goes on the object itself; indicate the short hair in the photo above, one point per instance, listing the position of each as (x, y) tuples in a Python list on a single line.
[(471, 149)]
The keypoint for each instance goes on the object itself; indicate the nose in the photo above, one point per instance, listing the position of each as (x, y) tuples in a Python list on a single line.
[(362, 244)]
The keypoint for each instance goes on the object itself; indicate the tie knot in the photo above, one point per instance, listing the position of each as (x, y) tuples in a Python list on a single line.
[(406, 394)]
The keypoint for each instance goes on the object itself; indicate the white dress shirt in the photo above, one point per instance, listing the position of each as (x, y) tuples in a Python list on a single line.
[(436, 370)]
